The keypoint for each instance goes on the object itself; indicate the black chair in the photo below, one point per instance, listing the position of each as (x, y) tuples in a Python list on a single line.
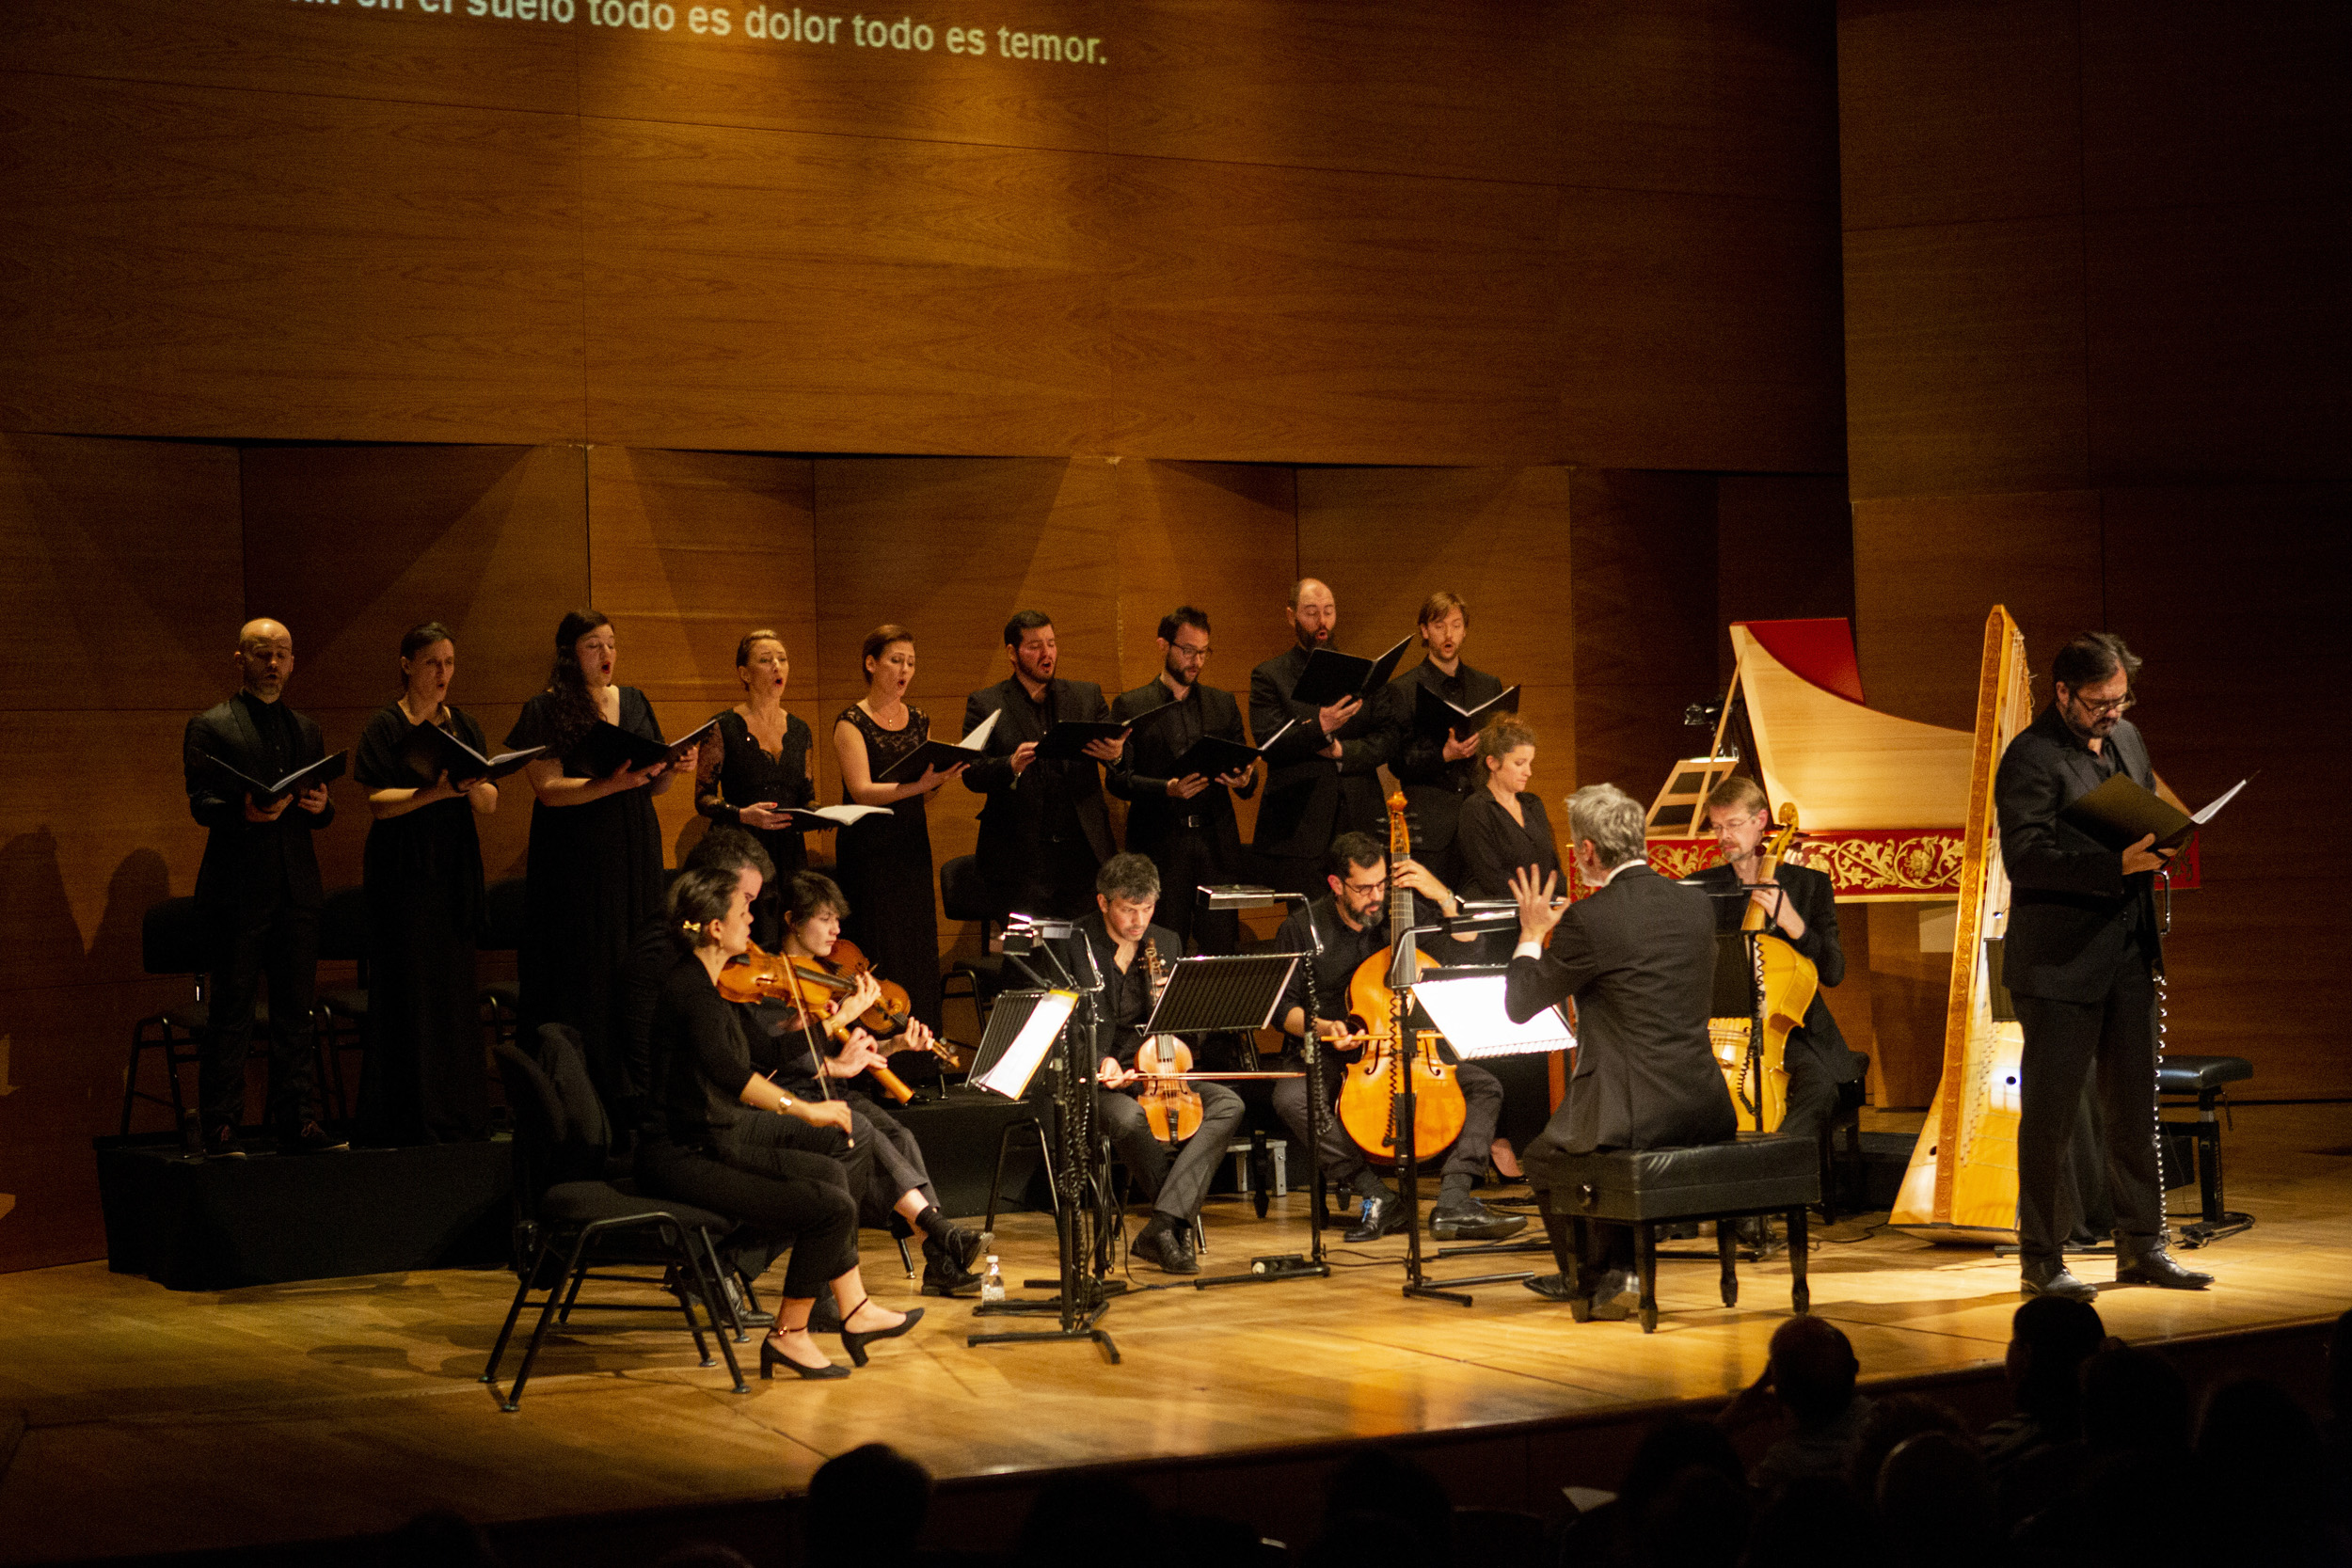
[(342, 1010), (171, 943), (2182, 1081), (572, 1225), (963, 897), (502, 908)]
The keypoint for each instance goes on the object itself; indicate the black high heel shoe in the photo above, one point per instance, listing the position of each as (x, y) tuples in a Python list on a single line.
[(856, 1343), (770, 1359)]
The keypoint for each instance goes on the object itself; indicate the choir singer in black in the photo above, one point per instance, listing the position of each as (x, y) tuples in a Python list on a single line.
[(1437, 771), (1184, 825), (1638, 958), (258, 895), (2081, 960), (1044, 830), (1321, 777)]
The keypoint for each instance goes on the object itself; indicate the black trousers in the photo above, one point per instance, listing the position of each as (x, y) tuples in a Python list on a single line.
[(787, 1198), (2112, 1044), (1812, 1097), (1189, 859), (280, 942), (1343, 1162), (897, 1166), (1175, 1184)]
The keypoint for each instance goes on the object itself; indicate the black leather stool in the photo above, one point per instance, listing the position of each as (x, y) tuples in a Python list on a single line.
[(2200, 1079), (1645, 1188)]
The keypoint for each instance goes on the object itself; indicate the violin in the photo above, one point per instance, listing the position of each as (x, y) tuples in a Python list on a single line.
[(1171, 1107), (817, 991), (1368, 1090)]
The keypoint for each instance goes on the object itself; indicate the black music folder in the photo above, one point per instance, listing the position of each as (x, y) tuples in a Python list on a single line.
[(1330, 675), (323, 771), (1070, 737), (1213, 755), (942, 754), (2120, 814), (608, 748), (433, 751), (1432, 712)]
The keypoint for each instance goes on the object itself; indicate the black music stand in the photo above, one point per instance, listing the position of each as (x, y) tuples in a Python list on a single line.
[(1319, 1110), (1084, 1294)]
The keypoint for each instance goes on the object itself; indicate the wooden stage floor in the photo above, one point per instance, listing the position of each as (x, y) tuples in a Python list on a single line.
[(154, 1422)]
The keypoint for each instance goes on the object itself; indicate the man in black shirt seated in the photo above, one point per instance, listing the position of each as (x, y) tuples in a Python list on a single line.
[(1351, 925), (1120, 933)]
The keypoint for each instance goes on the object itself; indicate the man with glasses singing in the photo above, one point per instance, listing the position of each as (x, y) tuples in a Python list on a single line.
[(2081, 960), (1352, 926), (1185, 825)]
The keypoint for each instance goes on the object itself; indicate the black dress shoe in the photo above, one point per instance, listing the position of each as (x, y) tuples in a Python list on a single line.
[(1169, 1246), (1551, 1286), (1382, 1217), (310, 1138), (1470, 1220), (2049, 1276), (2155, 1266), (1614, 1294), (943, 1275), (221, 1144)]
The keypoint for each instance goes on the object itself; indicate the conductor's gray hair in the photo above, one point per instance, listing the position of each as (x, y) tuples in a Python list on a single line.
[(1611, 819)]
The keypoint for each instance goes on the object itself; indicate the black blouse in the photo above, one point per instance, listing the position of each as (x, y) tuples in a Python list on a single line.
[(433, 851), (747, 775), (1493, 846), (699, 1055)]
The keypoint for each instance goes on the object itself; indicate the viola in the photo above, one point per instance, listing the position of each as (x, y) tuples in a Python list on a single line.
[(816, 990), (1171, 1107), (1368, 1090)]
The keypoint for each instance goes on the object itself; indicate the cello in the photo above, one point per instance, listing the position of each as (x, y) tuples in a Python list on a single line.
[(1786, 982), (1368, 1088)]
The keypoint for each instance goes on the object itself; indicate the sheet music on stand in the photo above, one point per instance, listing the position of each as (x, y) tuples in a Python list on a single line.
[(1207, 995), (1021, 1028), (1465, 1005)]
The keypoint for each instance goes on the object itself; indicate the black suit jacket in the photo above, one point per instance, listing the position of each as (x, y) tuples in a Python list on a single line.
[(250, 863), (1311, 799), (1815, 899), (1638, 958), (2074, 920), (1140, 776), (1013, 823), (1433, 788)]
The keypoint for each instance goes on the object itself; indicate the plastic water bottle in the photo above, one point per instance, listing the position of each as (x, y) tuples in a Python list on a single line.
[(992, 1282)]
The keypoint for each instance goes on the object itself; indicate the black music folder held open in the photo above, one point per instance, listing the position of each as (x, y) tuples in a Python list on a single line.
[(1330, 675), (1432, 712), (942, 754), (608, 748), (323, 771), (433, 751), (2120, 814), (1070, 737), (1213, 755)]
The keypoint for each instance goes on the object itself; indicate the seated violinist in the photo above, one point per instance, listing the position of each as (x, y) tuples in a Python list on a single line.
[(824, 1042), (1125, 943)]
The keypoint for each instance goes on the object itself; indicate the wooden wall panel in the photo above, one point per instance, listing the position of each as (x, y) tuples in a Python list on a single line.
[(1964, 349), (1928, 571), (1642, 612), (352, 546), (196, 261), (2219, 348), (1784, 550), (1468, 90), (398, 55), (840, 295), (1635, 117), (2234, 650), (1958, 114), (1698, 332), (1269, 314), (122, 578)]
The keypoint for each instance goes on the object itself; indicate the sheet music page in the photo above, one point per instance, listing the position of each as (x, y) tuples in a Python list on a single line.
[(1467, 1011), (1010, 1076)]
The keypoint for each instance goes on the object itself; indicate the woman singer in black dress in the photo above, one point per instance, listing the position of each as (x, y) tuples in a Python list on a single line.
[(424, 1081), (883, 864), (595, 850), (721, 1142), (1503, 827), (755, 768)]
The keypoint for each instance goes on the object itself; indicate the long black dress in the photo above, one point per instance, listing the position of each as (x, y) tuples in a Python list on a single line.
[(594, 873), (747, 776), (883, 864), (1491, 847), (423, 1082)]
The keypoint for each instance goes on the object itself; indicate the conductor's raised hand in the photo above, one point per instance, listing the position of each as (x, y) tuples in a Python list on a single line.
[(2139, 857), (1533, 896)]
